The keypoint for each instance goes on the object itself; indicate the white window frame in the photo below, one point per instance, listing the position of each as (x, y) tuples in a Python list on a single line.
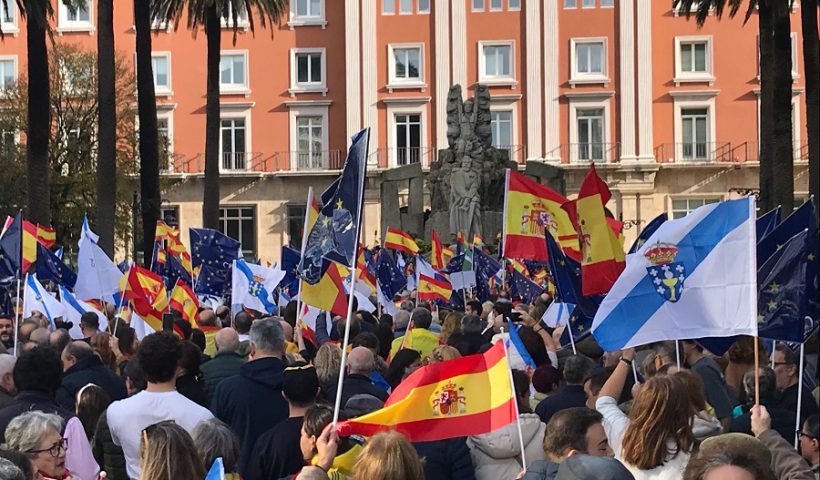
[(167, 114), (390, 12), (13, 27), (693, 100), (496, 80), (610, 4), (394, 83), (15, 67), (168, 90), (588, 103), (570, 4), (306, 110), (796, 132), (682, 76), (512, 8), (710, 198), (227, 89), (512, 110), (499, 8), (474, 8), (242, 22), (426, 10), (587, 7), (412, 7), (242, 113), (578, 78), (308, 21), (795, 57), (406, 108), (64, 25), (312, 87)]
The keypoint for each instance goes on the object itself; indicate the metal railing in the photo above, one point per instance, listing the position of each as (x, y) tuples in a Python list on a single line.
[(301, 161), (586, 152), (518, 153), (400, 156), (694, 152), (242, 161)]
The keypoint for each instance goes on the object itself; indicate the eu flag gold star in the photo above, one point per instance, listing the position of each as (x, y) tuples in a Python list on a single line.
[(774, 287), (760, 318), (339, 203), (810, 257), (779, 246), (772, 304)]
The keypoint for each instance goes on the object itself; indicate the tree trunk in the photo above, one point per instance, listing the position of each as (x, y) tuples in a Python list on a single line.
[(765, 143), (210, 204), (811, 70), (107, 127), (39, 123), (782, 134), (148, 137)]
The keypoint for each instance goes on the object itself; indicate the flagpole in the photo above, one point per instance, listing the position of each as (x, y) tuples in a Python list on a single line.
[(504, 213), (351, 297), (515, 401), (774, 347), (305, 234), (757, 371), (799, 396), (17, 316), (406, 330), (677, 356), (119, 308), (571, 338)]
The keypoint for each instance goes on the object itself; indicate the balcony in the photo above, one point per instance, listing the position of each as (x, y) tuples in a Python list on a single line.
[(401, 156), (317, 160), (694, 152), (518, 153), (587, 152), (241, 162)]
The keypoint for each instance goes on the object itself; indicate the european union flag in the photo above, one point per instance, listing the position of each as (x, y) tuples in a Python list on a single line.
[(11, 247), (767, 222), (781, 299), (802, 218), (648, 231), (524, 288), (485, 267), (290, 265), (566, 275), (6, 307), (389, 277), (213, 281), (213, 249), (49, 267), (173, 271), (335, 233)]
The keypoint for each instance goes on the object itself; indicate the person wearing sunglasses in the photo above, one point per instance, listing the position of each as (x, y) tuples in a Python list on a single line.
[(810, 442), (37, 435)]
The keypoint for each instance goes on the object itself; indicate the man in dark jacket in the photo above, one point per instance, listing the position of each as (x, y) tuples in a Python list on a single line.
[(360, 364), (446, 459), (782, 420), (82, 366), (576, 369), (7, 388), (786, 370), (226, 362), (252, 402)]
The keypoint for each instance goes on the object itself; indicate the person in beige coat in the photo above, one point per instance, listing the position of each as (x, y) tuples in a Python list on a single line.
[(497, 455)]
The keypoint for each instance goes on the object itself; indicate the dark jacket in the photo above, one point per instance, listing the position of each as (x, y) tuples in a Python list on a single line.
[(355, 384), (541, 470), (782, 420), (85, 371), (193, 389), (222, 366), (568, 397), (446, 459), (27, 401), (466, 343), (251, 403), (108, 455), (788, 401), (277, 453), (4, 397)]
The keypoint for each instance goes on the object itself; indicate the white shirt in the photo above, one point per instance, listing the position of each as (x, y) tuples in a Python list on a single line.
[(243, 337), (128, 418)]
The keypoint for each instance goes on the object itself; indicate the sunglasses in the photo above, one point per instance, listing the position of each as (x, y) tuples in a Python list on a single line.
[(55, 450)]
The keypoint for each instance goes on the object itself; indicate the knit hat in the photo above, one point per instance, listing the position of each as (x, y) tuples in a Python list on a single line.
[(587, 467)]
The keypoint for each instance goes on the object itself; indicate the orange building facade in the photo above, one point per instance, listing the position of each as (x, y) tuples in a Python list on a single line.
[(667, 110)]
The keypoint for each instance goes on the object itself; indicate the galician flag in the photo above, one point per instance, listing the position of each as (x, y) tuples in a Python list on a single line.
[(36, 297), (74, 308), (253, 286), (694, 277)]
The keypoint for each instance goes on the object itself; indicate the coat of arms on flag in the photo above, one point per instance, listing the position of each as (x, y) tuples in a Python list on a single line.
[(449, 400), (667, 274)]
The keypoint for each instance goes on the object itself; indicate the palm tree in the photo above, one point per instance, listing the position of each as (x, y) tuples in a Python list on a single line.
[(811, 69), (37, 14), (776, 149), (106, 126), (210, 13), (148, 136)]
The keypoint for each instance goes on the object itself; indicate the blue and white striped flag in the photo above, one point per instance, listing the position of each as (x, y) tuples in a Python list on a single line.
[(217, 471), (253, 286), (36, 297), (694, 277), (74, 309)]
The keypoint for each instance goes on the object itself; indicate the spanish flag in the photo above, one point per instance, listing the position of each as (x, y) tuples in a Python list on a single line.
[(328, 294), (29, 245), (46, 236), (184, 301), (169, 237), (456, 398), (437, 253), (363, 273), (519, 266), (447, 254), (529, 208), (460, 243), (398, 240), (431, 285), (602, 255), (146, 290), (478, 240), (312, 211)]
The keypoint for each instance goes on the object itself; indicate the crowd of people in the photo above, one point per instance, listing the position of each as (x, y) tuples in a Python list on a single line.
[(259, 394)]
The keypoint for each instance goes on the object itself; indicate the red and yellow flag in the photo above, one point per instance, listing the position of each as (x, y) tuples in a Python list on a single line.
[(184, 301), (29, 245), (602, 254), (146, 290), (312, 212), (437, 253), (328, 294), (478, 240), (398, 240), (447, 254), (460, 243), (364, 274), (170, 237), (529, 208), (46, 235), (466, 396), (434, 288)]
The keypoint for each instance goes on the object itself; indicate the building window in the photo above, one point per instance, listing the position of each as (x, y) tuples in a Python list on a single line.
[(570, 3), (496, 5), (693, 59), (684, 206), (587, 3), (170, 215), (424, 6), (388, 7), (8, 17), (296, 222), (501, 128), (607, 3), (310, 149), (795, 71), (408, 138), (165, 140), (589, 60), (308, 9), (8, 72), (590, 130), (695, 134), (239, 223), (234, 155), (406, 7), (8, 141), (514, 4), (308, 70), (227, 17), (161, 66), (75, 17), (233, 72), (478, 5), (405, 64), (496, 62)]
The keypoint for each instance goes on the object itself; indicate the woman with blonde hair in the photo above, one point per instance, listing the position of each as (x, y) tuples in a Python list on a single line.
[(328, 360), (101, 344), (450, 325), (167, 452), (656, 440), (37, 435), (442, 353), (388, 456)]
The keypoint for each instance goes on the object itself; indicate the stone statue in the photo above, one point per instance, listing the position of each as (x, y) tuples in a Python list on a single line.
[(465, 208)]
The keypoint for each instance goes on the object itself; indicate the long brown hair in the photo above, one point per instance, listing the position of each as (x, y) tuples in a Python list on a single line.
[(388, 456), (694, 388), (167, 452), (451, 325), (661, 411)]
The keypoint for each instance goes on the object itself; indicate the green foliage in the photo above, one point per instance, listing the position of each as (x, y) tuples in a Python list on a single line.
[(73, 146), (233, 12)]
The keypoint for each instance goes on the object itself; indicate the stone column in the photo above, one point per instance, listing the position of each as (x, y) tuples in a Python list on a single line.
[(627, 80), (645, 137), (352, 72), (552, 139), (442, 79)]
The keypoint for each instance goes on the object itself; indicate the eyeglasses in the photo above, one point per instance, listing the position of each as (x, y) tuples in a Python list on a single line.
[(802, 434), (55, 450), (782, 363)]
